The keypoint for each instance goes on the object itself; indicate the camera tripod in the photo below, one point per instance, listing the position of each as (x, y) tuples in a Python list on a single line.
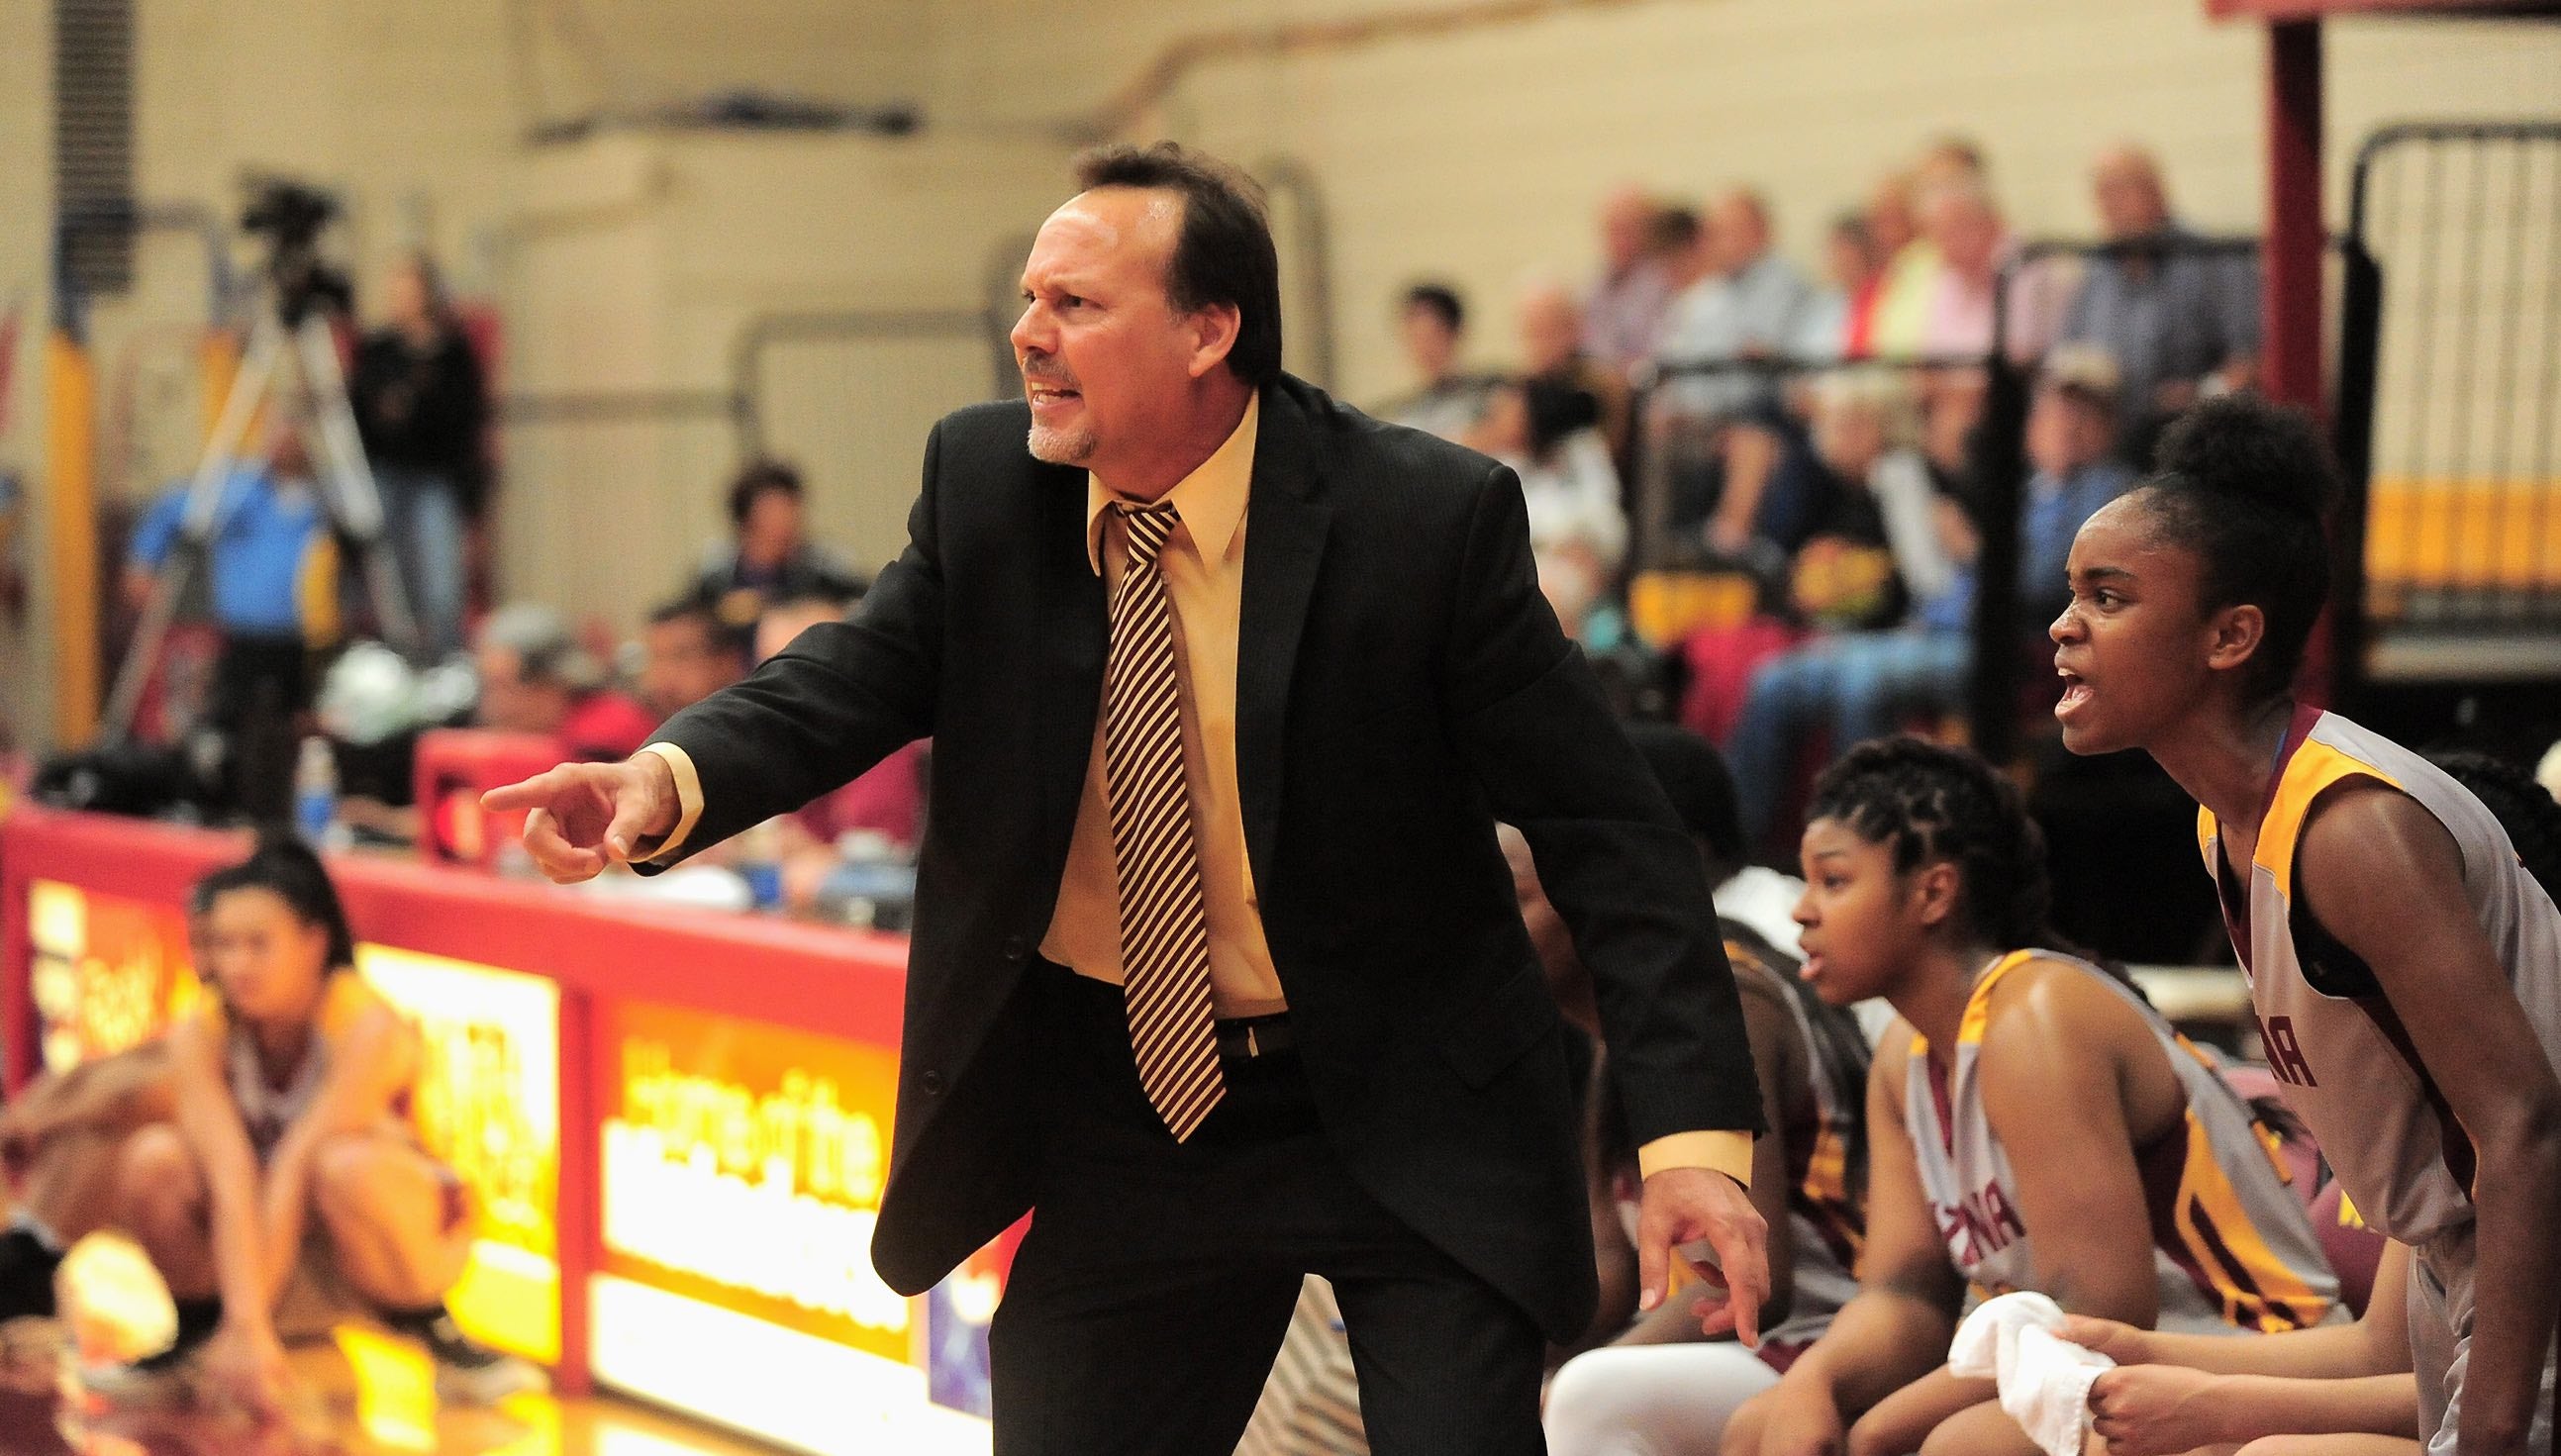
[(286, 316)]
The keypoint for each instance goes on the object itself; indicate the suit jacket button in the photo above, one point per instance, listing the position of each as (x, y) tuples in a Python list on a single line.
[(1016, 948), (932, 1082)]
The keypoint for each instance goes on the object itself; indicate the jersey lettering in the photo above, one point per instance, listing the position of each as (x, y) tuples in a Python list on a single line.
[(1978, 1228), (2285, 1062)]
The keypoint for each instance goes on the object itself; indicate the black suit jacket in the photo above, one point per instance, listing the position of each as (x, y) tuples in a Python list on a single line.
[(1401, 686)]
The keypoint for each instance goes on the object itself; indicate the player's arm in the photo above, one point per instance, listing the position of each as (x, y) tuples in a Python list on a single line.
[(373, 1061), (2378, 1344), (2175, 1392), (2385, 878), (1897, 1327), (210, 1124), (2055, 1064)]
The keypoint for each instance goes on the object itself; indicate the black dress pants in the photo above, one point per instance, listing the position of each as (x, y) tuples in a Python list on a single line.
[(1153, 1288)]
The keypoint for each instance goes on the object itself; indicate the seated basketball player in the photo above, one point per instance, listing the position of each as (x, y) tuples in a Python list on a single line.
[(285, 1189), (2032, 1123)]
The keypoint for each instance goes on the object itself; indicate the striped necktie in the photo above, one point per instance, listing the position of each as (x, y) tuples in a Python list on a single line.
[(1164, 931)]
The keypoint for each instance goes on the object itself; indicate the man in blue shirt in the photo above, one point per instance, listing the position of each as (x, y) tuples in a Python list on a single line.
[(2179, 323), (271, 566)]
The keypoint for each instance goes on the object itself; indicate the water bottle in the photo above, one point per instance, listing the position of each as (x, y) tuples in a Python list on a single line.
[(760, 864), (315, 792)]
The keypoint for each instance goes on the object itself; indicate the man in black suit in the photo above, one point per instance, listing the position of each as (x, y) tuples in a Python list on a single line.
[(1216, 960)]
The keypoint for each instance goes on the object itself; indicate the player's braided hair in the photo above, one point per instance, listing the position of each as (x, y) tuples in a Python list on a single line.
[(2529, 813), (1931, 803)]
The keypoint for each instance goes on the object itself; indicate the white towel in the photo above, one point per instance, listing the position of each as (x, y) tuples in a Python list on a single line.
[(2044, 1378)]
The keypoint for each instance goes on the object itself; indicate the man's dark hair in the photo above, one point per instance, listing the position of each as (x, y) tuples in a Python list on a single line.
[(1224, 254), (755, 479), (1444, 302)]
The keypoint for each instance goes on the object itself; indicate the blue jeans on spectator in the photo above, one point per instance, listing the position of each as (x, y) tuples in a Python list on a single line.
[(1857, 684), (422, 525)]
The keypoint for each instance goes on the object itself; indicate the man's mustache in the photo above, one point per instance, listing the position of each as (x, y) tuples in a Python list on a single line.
[(1043, 373)]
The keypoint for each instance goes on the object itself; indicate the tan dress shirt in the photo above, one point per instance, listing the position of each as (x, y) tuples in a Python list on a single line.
[(1204, 567)]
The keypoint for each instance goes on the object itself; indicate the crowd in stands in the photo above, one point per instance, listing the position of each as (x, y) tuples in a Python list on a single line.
[(1706, 410)]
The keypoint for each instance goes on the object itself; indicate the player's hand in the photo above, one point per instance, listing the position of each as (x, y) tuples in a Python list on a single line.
[(2157, 1409), (582, 817), (1684, 1206), (2114, 1338), (247, 1367)]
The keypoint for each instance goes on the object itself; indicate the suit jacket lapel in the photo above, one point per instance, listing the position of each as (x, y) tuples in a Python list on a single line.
[(1284, 541), (1071, 635)]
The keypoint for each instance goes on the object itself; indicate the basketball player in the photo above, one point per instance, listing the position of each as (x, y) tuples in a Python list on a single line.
[(2405, 967), (285, 1190), (2032, 1123)]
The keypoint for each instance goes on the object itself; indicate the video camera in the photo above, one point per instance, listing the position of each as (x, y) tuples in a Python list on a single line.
[(291, 215)]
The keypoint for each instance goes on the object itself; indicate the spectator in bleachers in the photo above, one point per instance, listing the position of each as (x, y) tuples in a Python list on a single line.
[(1725, 485), (1659, 1386), (1863, 685), (1966, 228), (1887, 215), (1624, 309), (1751, 305), (1551, 339), (1548, 432), (687, 654), (1842, 316), (422, 408), (536, 679), (271, 564), (2032, 1123), (2179, 325), (1431, 323), (1913, 264), (769, 556), (1856, 469)]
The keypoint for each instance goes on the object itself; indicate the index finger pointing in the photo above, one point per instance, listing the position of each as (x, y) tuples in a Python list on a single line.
[(529, 793)]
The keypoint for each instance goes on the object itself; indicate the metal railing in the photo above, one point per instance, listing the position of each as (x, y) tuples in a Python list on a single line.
[(2449, 403), (1995, 471)]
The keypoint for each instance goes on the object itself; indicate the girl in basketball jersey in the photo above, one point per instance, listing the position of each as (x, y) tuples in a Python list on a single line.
[(2296, 1393), (2405, 968), (2032, 1123), (288, 1186)]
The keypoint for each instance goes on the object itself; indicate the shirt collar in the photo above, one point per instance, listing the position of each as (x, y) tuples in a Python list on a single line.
[(1210, 499)]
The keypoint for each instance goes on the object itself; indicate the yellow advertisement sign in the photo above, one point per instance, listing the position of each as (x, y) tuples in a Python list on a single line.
[(487, 1105), (110, 973), (743, 1168)]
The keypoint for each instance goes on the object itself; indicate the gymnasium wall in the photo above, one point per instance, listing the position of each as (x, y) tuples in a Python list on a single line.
[(1476, 151)]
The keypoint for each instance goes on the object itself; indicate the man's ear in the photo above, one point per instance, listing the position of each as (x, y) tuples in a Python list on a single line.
[(1214, 330), (2234, 635)]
